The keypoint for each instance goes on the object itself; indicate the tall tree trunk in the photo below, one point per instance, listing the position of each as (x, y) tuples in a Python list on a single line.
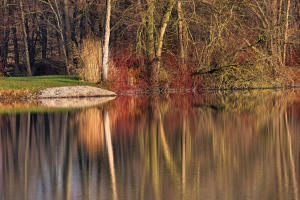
[(106, 42), (82, 28), (56, 12), (279, 31), (14, 34), (58, 43), (44, 37), (2, 23), (67, 28), (180, 32), (274, 25), (74, 25), (150, 30), (155, 64), (286, 32), (150, 43), (65, 53), (32, 39), (44, 42), (16, 46), (163, 27), (6, 23), (5, 46), (25, 39)]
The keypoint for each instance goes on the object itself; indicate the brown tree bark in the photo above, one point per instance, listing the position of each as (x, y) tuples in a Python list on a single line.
[(82, 28), (150, 48), (59, 21), (14, 34), (44, 38), (31, 29), (74, 25), (58, 43), (4, 46), (155, 62), (286, 32), (16, 45), (180, 33), (67, 29), (28, 67), (274, 25)]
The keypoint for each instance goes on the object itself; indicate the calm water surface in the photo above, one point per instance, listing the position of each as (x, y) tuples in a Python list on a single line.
[(241, 145)]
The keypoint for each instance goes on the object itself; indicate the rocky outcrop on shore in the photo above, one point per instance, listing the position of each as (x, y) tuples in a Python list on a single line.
[(74, 92)]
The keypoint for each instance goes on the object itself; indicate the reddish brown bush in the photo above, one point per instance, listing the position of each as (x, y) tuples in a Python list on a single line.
[(294, 59)]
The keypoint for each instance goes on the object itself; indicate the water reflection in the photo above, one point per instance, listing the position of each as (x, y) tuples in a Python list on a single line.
[(221, 146)]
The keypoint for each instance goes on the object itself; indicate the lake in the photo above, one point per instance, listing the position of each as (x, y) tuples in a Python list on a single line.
[(217, 145)]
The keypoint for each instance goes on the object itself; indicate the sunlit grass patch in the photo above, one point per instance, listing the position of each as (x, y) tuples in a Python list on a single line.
[(36, 83)]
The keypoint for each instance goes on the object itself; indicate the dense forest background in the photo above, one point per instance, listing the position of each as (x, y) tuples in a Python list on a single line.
[(161, 43)]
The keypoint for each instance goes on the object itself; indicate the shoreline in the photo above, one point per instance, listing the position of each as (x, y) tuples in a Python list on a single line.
[(16, 95), (11, 95)]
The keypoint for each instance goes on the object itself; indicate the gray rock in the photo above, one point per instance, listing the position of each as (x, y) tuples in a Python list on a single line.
[(74, 92)]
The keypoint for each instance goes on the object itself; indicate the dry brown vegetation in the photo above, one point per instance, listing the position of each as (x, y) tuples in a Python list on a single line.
[(89, 68)]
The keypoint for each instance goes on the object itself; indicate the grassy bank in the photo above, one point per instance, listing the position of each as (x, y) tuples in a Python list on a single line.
[(18, 88), (36, 83)]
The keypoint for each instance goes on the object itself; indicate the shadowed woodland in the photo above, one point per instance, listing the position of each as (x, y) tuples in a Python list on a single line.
[(156, 148), (133, 44)]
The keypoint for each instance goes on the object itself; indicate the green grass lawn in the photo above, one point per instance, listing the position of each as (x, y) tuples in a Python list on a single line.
[(35, 83)]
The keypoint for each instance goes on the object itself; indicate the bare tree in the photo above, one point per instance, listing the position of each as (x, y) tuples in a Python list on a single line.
[(4, 43), (106, 42), (54, 7), (28, 67), (180, 32), (67, 29), (14, 35), (286, 32), (155, 44)]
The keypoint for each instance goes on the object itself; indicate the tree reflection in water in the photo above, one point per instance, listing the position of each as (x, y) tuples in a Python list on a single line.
[(172, 147)]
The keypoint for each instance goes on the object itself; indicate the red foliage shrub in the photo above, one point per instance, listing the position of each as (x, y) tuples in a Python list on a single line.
[(294, 58), (127, 70), (243, 56), (179, 75)]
